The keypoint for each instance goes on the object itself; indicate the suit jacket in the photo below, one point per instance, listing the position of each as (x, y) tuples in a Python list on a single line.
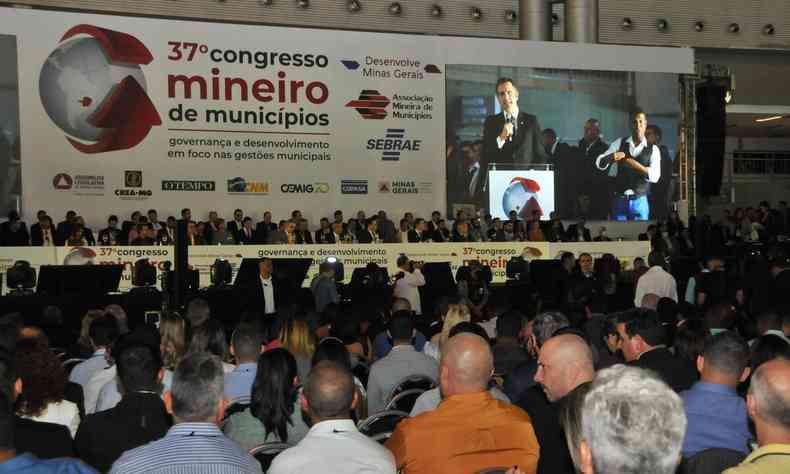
[(253, 293), (163, 237), (263, 232), (62, 232), (364, 237), (303, 237), (414, 236), (44, 440), (573, 233), (441, 236), (88, 234), (554, 454), (678, 374), (525, 147), (243, 239), (387, 231), (324, 238), (234, 228), (138, 419), (37, 235), (470, 237), (20, 238), (277, 237)]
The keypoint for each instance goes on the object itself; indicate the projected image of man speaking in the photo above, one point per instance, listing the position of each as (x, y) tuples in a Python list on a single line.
[(512, 136), (634, 164)]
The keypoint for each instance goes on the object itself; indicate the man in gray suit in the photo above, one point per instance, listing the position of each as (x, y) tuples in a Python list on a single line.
[(279, 236), (386, 229)]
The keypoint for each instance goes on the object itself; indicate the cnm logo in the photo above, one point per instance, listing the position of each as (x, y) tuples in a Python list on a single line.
[(305, 188)]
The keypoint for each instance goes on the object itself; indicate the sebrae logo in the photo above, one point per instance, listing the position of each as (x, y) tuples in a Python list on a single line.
[(370, 105), (393, 144), (93, 88)]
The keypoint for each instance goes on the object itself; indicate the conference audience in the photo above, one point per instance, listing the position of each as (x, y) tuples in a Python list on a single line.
[(333, 444), (470, 431), (245, 347), (139, 418), (402, 362), (194, 444), (102, 333), (632, 422), (273, 412)]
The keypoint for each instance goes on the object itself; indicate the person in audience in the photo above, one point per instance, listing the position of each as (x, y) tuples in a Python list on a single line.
[(246, 234), (103, 332), (409, 279), (454, 313), (570, 415), (656, 280), (43, 440), (508, 350), (697, 295), (274, 412), (716, 414), (770, 323), (333, 445), (167, 234), (767, 348), (194, 443), (473, 290), (42, 234), (13, 232), (198, 312), (690, 340), (382, 344), (720, 317), (210, 337), (402, 361), (297, 338), (323, 287), (470, 430), (14, 461), (44, 386), (538, 331), (768, 404), (138, 419), (565, 364), (172, 337), (245, 347), (632, 422), (650, 301), (121, 318), (332, 349), (644, 345)]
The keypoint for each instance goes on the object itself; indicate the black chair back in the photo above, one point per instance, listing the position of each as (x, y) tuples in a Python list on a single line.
[(266, 453), (711, 461), (382, 422)]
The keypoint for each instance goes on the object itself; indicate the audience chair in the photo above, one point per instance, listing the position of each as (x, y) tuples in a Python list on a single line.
[(405, 400), (266, 453), (420, 382), (711, 461), (360, 369), (382, 423)]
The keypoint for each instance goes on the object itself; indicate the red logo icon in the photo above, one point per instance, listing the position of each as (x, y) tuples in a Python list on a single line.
[(370, 105)]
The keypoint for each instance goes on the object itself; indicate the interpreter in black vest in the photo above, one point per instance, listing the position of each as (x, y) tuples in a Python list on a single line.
[(634, 164), (511, 136)]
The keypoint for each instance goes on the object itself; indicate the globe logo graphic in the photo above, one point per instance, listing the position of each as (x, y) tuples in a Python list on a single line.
[(522, 196), (93, 88)]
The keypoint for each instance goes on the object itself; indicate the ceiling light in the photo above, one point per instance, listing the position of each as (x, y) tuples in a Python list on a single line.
[(395, 8), (769, 119), (627, 23), (511, 16), (728, 97), (699, 26), (264, 2), (476, 13), (303, 3), (555, 19), (769, 29), (734, 28), (662, 25)]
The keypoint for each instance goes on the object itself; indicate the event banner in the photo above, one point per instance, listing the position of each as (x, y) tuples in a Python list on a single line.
[(138, 113), (494, 254)]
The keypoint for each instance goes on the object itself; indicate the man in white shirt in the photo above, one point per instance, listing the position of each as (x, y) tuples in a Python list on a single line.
[(407, 286), (102, 333), (267, 286), (333, 444), (656, 280), (634, 164)]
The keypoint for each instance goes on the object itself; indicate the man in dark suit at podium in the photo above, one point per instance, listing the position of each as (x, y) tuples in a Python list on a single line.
[(264, 292), (513, 136)]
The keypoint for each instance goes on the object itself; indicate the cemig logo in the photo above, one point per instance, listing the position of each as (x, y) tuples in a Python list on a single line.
[(93, 88), (393, 143), (239, 185), (370, 105), (306, 188), (62, 182)]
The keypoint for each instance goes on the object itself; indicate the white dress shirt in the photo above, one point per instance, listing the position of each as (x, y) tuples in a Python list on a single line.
[(334, 447), (407, 287), (92, 389), (475, 168), (268, 295), (658, 282), (653, 171), (47, 239), (82, 372), (514, 117), (63, 413)]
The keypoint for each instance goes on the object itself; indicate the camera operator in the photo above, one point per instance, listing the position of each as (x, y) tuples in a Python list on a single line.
[(408, 280)]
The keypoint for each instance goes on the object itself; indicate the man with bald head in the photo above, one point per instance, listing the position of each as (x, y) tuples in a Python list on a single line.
[(768, 404), (470, 430), (333, 444), (565, 363)]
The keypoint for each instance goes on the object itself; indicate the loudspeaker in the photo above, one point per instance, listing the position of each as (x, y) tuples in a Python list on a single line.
[(711, 131)]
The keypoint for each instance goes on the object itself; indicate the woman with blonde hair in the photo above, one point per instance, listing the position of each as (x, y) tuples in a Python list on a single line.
[(172, 343), (456, 313), (299, 340)]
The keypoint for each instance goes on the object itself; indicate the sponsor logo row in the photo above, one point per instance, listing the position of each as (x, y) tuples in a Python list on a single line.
[(134, 189)]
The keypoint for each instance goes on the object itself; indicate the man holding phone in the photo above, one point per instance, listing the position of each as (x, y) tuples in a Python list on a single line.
[(634, 164)]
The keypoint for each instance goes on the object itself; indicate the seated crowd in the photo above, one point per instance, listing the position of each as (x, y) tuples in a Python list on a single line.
[(761, 224), (592, 370)]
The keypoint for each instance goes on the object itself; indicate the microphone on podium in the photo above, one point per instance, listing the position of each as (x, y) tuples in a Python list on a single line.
[(511, 120)]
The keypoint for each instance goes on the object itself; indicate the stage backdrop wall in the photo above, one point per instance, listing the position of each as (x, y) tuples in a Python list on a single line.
[(119, 114)]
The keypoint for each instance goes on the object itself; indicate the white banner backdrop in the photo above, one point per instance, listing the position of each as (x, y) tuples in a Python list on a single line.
[(494, 254), (122, 114)]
